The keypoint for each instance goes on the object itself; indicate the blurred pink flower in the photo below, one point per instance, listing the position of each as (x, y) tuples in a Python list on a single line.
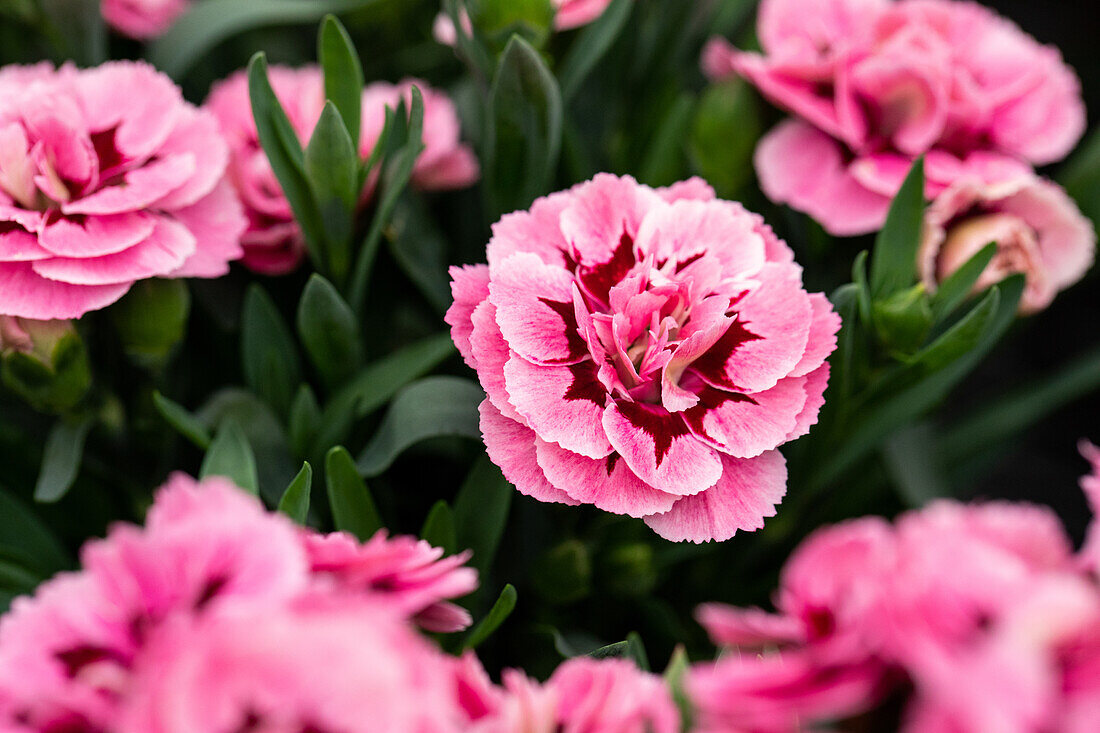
[(99, 190), (315, 666), (568, 14), (644, 351), (1037, 227), (582, 696), (413, 576), (872, 84), (142, 19), (273, 243)]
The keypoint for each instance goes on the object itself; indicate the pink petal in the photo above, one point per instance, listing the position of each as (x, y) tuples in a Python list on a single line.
[(19, 245), (693, 189), (217, 223), (492, 353), (140, 188), (511, 446), (196, 133), (716, 228), (801, 166), (27, 295), (660, 449), (457, 169), (534, 304), (1067, 240), (601, 211), (95, 236), (169, 245), (746, 425), (469, 287), (746, 493), (135, 100), (562, 404), (747, 627), (606, 483), (537, 231), (816, 382), (822, 341)]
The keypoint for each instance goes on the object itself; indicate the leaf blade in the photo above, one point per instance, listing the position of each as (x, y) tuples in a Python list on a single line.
[(353, 507)]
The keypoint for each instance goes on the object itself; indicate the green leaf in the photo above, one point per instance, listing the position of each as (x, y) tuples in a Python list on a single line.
[(961, 338), (284, 153), (894, 265), (421, 251), (903, 320), (329, 331), (61, 459), (863, 290), (268, 353), (618, 650), (591, 46), (499, 20), (353, 508), (151, 320), (396, 172), (183, 421), (22, 533), (376, 384), (439, 527), (78, 25), (231, 456), (343, 73), (664, 160), (911, 459), (304, 422), (497, 615), (636, 650), (332, 168), (954, 289), (1081, 176), (678, 665), (523, 129), (295, 501), (431, 408), (208, 23), (481, 512), (724, 134)]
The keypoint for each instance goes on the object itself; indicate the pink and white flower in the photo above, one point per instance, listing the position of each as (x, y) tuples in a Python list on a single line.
[(872, 84), (142, 19), (568, 14), (273, 243), (1037, 228), (644, 351), (99, 190)]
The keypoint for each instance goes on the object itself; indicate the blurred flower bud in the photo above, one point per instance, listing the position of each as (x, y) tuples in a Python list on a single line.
[(152, 319), (628, 569), (904, 319), (44, 362), (563, 574)]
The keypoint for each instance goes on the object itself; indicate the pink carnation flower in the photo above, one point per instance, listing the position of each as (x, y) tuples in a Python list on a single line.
[(413, 576), (316, 666), (273, 243), (582, 696), (142, 18), (99, 190), (946, 602), (568, 14), (644, 351), (1038, 230), (873, 84)]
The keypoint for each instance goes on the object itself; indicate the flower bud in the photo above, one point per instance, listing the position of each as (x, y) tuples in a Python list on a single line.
[(44, 362), (152, 319), (904, 319)]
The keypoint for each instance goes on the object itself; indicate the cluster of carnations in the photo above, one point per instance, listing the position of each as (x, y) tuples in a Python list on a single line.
[(873, 84), (965, 617), (220, 617)]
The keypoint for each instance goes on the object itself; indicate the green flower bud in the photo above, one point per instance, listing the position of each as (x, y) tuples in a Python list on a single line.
[(44, 362), (563, 574), (903, 320), (152, 319)]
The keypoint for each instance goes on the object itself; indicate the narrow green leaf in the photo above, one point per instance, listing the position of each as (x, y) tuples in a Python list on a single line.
[(22, 532), (61, 459), (343, 72), (724, 134), (268, 353), (208, 23), (636, 650), (863, 290), (376, 384), (329, 331), (304, 422), (231, 456), (284, 153), (497, 615), (431, 408), (618, 650), (439, 527), (79, 26), (961, 338), (183, 421), (954, 289), (591, 46), (353, 508), (673, 675), (295, 501), (481, 512), (421, 251), (332, 168), (913, 464), (396, 173), (894, 265), (523, 129), (1081, 176), (664, 161)]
